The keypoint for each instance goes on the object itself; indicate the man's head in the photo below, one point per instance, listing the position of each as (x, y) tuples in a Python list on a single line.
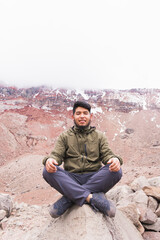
[(81, 114), (81, 104)]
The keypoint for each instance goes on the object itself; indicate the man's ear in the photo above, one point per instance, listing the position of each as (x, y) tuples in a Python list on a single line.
[(91, 115), (72, 116)]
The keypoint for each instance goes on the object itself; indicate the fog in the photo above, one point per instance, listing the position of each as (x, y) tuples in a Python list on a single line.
[(80, 44)]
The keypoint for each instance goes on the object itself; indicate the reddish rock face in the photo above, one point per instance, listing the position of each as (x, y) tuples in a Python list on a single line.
[(31, 119), (34, 117)]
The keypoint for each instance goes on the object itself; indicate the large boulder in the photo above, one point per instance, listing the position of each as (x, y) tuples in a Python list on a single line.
[(82, 223)]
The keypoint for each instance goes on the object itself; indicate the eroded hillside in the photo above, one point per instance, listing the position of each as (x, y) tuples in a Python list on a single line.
[(31, 119)]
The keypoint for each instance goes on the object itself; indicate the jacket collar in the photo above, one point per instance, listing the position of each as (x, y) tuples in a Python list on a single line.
[(76, 129)]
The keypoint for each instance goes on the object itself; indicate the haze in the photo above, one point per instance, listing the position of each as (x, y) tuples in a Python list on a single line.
[(80, 44)]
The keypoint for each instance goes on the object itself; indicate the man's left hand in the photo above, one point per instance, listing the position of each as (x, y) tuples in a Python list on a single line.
[(114, 164)]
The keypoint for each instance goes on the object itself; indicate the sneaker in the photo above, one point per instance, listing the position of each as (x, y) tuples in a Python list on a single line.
[(99, 203), (59, 207)]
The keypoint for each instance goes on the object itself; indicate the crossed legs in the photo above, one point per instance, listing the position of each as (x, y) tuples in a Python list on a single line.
[(77, 187)]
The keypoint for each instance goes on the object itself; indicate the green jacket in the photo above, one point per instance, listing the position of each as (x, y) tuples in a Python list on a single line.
[(82, 151)]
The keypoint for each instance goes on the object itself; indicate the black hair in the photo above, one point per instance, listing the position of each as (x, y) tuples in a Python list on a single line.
[(81, 104)]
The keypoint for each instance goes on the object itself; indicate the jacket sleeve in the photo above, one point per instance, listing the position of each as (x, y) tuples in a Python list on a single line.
[(105, 152), (58, 152)]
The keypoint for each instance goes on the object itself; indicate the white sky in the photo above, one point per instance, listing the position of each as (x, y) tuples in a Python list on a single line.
[(80, 44)]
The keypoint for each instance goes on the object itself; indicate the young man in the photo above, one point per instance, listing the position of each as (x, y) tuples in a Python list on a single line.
[(83, 150)]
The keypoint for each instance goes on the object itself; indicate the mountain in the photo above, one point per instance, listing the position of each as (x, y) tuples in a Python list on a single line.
[(31, 119)]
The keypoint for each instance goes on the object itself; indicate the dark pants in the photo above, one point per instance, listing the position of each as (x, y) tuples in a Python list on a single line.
[(77, 187)]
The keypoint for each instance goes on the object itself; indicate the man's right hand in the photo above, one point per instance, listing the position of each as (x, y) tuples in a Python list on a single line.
[(50, 165)]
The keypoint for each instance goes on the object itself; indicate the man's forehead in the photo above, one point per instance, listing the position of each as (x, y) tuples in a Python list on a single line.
[(81, 109)]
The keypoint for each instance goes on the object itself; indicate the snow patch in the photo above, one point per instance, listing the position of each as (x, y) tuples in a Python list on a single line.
[(69, 108), (115, 135), (123, 127), (103, 94), (4, 107), (46, 108), (58, 92), (132, 98), (134, 112), (35, 95), (97, 110), (153, 119), (84, 95)]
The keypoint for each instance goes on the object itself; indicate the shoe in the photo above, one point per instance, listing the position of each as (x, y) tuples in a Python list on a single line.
[(99, 203), (59, 207)]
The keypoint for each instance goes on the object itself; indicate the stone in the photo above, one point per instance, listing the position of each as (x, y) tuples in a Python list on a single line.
[(155, 181), (131, 211), (129, 130), (149, 217), (141, 200), (151, 235), (154, 227), (139, 183), (140, 197), (158, 211), (118, 193), (6, 203), (83, 223), (152, 204), (152, 191), (2, 214)]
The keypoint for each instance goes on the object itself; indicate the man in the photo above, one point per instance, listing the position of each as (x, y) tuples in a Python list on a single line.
[(83, 180)]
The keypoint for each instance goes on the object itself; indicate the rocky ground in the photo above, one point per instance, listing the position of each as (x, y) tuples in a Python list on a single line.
[(137, 217)]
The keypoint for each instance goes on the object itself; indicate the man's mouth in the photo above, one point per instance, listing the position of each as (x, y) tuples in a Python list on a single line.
[(82, 122)]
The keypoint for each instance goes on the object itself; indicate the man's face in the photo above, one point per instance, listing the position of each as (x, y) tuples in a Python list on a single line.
[(82, 117)]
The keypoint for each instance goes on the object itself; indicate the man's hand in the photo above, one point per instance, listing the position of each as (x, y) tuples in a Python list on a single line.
[(50, 165), (114, 164)]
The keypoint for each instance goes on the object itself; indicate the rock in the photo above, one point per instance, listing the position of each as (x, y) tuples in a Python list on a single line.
[(131, 211), (152, 204), (129, 130), (6, 203), (151, 235), (82, 223), (155, 181), (158, 211), (154, 227), (139, 183), (149, 217), (140, 197), (152, 191), (119, 192), (2, 214)]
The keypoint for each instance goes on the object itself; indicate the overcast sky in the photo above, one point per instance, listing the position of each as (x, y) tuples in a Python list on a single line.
[(95, 44)]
